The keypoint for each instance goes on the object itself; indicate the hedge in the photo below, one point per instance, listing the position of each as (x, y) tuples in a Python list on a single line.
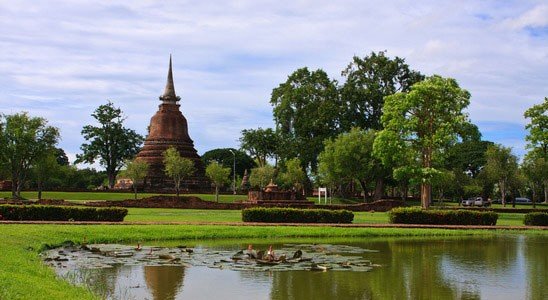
[(60, 213), (536, 219), (293, 215), (441, 217)]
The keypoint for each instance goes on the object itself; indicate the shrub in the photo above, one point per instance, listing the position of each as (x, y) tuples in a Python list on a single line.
[(60, 213), (536, 219), (441, 217), (293, 215)]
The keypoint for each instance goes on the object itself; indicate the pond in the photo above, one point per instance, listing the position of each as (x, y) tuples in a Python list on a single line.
[(495, 267)]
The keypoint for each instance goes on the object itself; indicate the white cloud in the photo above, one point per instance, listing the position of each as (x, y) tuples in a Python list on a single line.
[(61, 59)]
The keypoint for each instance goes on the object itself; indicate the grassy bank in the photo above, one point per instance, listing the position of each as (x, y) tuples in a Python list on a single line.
[(23, 276)]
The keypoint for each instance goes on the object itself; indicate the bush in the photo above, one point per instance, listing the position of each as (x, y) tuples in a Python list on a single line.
[(536, 219), (293, 215), (60, 213), (442, 217)]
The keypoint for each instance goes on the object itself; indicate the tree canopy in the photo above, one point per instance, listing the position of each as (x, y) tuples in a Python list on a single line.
[(502, 167), (306, 112), (419, 125), (136, 170), (368, 81), (110, 143), (218, 176), (260, 143), (225, 157), (23, 141), (538, 128)]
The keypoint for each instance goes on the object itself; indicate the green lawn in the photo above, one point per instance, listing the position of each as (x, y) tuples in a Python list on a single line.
[(24, 276), (201, 215)]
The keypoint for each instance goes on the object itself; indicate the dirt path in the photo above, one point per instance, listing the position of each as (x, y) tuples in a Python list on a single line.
[(286, 224)]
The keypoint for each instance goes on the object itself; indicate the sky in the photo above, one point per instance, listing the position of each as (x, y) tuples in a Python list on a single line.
[(62, 59)]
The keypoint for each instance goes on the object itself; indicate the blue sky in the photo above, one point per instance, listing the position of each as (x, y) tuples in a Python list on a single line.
[(62, 59)]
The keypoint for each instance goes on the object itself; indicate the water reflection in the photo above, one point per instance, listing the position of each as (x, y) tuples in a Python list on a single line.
[(501, 267)]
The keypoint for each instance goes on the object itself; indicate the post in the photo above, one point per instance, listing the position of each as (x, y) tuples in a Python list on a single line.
[(233, 172)]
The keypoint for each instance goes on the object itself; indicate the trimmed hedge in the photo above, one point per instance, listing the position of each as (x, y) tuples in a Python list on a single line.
[(60, 213), (536, 219), (293, 215), (442, 217)]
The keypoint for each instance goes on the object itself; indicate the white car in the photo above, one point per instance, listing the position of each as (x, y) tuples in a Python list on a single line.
[(480, 202), (523, 200)]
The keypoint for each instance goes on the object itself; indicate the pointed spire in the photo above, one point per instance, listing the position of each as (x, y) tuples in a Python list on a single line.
[(169, 92)]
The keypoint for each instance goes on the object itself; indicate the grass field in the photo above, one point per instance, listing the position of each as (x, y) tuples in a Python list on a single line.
[(24, 276)]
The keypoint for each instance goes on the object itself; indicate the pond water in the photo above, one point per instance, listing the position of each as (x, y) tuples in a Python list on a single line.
[(497, 267)]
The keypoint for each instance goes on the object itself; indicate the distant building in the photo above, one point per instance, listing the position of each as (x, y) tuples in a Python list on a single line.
[(168, 128)]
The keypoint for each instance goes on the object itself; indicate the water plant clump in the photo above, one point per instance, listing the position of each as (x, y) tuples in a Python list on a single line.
[(288, 257)]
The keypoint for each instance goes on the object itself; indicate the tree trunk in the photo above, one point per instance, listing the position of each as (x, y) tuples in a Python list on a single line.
[(111, 180), (217, 193), (426, 195), (177, 188), (502, 194), (364, 189), (534, 197), (39, 190), (135, 190), (379, 187), (13, 187), (546, 192)]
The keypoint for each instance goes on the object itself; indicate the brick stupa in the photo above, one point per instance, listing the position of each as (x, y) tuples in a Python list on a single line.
[(168, 128)]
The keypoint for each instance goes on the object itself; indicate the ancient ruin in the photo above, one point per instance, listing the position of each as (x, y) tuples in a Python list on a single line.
[(168, 128)]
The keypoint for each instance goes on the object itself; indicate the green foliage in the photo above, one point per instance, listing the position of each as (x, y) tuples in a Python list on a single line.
[(536, 219), (306, 112), (538, 128), (61, 157), (294, 175), (23, 140), (177, 167), (368, 81), (502, 167), (110, 143), (293, 215), (61, 213), (404, 215), (536, 170), (218, 175), (350, 157), (467, 156), (43, 169), (261, 144), (261, 176), (136, 170), (225, 157), (419, 125)]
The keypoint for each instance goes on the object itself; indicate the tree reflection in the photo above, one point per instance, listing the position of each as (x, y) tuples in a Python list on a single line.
[(164, 282)]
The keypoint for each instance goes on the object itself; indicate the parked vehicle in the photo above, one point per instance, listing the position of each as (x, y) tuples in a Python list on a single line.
[(481, 202), (468, 202), (523, 200)]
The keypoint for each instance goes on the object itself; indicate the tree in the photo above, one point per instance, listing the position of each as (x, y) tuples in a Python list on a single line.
[(61, 157), (350, 157), (23, 139), (538, 135), (136, 170), (177, 167), (260, 176), (294, 175), (110, 142), (502, 167), (225, 157), (535, 168), (306, 111), (218, 175), (419, 125), (368, 81), (260, 143), (45, 166)]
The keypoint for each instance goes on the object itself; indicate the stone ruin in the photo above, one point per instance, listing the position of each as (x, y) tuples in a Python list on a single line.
[(271, 195), (169, 128)]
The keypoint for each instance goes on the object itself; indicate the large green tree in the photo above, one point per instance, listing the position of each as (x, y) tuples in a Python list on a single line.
[(306, 111), (535, 169), (218, 176), (368, 81), (24, 140), (293, 175), (110, 143), (260, 143), (177, 167), (350, 157), (419, 125), (45, 167), (260, 176), (501, 167), (538, 136)]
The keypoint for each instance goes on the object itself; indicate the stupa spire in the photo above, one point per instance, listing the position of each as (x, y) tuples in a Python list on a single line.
[(169, 92)]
